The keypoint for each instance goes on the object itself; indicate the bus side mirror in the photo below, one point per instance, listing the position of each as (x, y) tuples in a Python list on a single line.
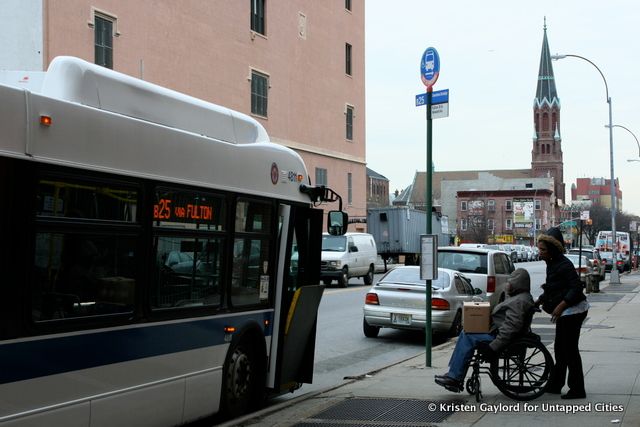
[(337, 223)]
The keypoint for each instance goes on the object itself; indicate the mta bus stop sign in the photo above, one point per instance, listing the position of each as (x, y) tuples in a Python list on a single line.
[(430, 67)]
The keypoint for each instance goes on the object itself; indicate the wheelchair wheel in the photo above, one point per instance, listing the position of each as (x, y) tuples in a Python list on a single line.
[(522, 369), (473, 387)]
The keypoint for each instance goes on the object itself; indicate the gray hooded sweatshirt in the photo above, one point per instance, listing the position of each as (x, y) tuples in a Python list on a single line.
[(509, 318)]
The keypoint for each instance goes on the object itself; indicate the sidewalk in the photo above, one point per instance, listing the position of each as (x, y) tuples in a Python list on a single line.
[(405, 394)]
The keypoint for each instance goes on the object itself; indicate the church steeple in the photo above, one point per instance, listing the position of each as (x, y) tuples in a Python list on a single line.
[(546, 90), (546, 155)]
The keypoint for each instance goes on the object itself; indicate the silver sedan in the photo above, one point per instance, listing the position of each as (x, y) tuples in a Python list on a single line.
[(398, 301)]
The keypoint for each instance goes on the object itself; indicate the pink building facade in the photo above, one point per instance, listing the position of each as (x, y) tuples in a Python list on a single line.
[(295, 66)]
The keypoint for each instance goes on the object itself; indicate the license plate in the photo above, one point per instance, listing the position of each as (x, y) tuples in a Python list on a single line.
[(401, 319)]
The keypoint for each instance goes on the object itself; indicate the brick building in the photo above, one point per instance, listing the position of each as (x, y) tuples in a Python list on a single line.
[(377, 190), (295, 66), (503, 216), (596, 190)]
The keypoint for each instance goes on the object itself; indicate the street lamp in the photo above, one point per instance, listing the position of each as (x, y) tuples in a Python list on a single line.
[(632, 134), (615, 277)]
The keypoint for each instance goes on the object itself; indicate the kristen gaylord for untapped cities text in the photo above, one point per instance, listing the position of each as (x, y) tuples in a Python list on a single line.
[(529, 407)]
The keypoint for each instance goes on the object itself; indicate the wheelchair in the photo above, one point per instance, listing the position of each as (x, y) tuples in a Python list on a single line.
[(520, 371)]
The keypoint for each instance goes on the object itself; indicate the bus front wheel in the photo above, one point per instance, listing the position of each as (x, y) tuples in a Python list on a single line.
[(241, 388)]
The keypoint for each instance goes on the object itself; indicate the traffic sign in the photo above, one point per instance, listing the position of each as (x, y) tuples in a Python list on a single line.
[(437, 97), (430, 67), (439, 111)]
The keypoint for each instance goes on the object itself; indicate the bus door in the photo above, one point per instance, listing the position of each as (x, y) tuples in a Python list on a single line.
[(292, 356)]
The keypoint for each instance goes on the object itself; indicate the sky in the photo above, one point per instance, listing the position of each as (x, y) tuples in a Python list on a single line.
[(489, 60)]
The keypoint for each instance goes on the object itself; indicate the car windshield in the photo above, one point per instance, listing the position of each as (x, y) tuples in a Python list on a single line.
[(334, 243), (465, 262), (412, 276)]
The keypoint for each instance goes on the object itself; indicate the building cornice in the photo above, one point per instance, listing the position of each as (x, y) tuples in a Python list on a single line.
[(298, 146)]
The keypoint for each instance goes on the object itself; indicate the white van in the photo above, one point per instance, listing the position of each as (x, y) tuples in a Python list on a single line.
[(351, 255)]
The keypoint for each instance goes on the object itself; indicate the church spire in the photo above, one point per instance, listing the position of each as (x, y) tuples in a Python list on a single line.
[(546, 153), (546, 90)]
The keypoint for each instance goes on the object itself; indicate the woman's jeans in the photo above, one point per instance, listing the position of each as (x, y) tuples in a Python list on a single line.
[(463, 352)]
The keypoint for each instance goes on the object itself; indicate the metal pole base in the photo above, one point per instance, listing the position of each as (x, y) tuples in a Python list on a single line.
[(614, 278)]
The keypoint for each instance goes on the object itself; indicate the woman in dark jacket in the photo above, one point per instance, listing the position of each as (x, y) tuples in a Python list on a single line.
[(564, 299)]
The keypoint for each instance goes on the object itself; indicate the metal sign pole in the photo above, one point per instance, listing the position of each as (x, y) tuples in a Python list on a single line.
[(429, 184), (429, 72)]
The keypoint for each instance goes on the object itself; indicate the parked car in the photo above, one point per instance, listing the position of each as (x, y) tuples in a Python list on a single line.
[(398, 301), (587, 274), (595, 261), (522, 253), (487, 269), (536, 253), (513, 253), (351, 255), (606, 258)]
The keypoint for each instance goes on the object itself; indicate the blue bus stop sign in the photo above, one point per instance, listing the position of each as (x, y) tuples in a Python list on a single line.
[(430, 67)]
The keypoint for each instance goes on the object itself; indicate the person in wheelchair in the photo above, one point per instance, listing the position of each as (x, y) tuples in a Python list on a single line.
[(508, 320)]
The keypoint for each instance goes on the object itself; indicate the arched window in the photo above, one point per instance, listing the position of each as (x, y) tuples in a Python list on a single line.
[(545, 121)]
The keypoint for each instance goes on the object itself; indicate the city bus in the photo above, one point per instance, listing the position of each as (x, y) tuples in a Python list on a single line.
[(160, 256)]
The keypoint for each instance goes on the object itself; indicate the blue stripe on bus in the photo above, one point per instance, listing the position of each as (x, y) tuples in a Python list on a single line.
[(49, 356)]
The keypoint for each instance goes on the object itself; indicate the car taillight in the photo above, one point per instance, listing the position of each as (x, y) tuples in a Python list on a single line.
[(595, 262), (439, 304), (372, 299), (581, 270), (491, 283), (619, 262)]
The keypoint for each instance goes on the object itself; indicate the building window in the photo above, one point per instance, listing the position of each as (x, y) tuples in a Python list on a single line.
[(103, 28), (257, 16), (321, 176), (349, 188), (347, 59), (463, 224), (508, 205), (509, 224), (347, 4), (538, 204), (463, 205), (491, 205), (538, 223), (490, 224), (259, 93), (349, 123)]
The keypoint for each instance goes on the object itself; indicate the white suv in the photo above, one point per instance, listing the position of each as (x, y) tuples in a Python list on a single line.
[(487, 269)]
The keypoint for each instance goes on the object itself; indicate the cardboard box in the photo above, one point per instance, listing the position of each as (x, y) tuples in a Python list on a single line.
[(476, 317)]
